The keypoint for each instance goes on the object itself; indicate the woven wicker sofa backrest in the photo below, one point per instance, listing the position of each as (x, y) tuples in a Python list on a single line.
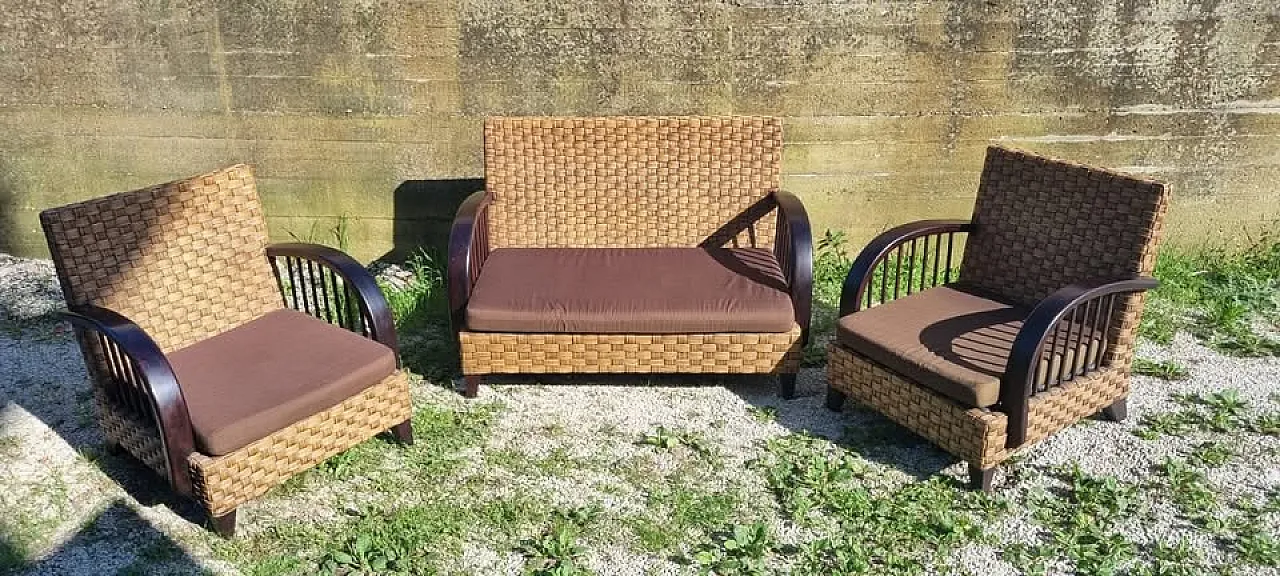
[(184, 260), (631, 181), (1042, 224)]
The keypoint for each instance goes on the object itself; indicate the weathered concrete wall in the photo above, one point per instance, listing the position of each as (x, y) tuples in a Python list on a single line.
[(372, 109)]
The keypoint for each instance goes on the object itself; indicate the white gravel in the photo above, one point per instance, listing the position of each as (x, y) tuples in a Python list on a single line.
[(51, 489)]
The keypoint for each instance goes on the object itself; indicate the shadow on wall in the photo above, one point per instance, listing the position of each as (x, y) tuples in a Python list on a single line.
[(424, 210), (8, 210), (97, 549)]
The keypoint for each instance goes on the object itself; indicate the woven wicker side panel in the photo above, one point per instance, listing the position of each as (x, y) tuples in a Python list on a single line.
[(184, 260), (974, 435), (140, 439), (727, 353), (225, 482), (631, 181), (1063, 406)]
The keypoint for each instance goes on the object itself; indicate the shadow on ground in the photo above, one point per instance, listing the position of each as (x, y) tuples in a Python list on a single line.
[(47, 379), (116, 541)]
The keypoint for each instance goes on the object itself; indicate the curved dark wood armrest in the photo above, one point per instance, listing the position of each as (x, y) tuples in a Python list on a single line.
[(1017, 385), (859, 278), (468, 248), (168, 407), (373, 308), (794, 250)]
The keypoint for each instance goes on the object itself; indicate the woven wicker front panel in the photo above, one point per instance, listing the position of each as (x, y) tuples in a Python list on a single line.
[(727, 353), (1043, 224), (184, 260), (631, 181), (974, 435), (224, 482)]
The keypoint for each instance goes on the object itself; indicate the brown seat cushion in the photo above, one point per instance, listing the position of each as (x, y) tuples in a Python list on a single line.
[(271, 372), (951, 340), (630, 291)]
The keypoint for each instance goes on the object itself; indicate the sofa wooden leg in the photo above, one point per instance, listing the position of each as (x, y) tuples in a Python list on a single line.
[(787, 386), (224, 525), (835, 399), (1117, 411), (980, 479), (471, 386), (403, 432)]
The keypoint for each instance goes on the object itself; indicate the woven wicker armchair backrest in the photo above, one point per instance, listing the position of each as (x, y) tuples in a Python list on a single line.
[(1042, 224), (184, 260), (631, 181)]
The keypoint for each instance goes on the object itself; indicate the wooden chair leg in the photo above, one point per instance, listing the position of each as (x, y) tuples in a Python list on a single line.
[(835, 399), (1117, 411), (224, 525), (787, 386), (980, 479), (471, 386), (403, 432)]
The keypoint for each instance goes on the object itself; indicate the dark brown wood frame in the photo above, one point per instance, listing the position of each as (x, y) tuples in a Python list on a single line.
[(1041, 328), (793, 247), (168, 407), (1017, 385), (166, 403)]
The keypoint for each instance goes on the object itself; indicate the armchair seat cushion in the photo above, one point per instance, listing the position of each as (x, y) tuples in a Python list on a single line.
[(268, 373), (954, 341), (630, 291)]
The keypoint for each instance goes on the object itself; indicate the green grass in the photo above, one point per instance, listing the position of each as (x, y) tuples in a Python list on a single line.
[(679, 509), (740, 550), (1218, 295), (412, 514), (556, 550), (1080, 526), (1162, 369), (1221, 412), (421, 311), (869, 530)]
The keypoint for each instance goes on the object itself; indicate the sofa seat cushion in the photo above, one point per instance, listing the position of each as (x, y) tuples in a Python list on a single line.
[(630, 291), (954, 341), (268, 373)]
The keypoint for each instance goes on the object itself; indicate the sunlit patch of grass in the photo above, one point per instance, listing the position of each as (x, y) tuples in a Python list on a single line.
[(1217, 295), (1162, 369)]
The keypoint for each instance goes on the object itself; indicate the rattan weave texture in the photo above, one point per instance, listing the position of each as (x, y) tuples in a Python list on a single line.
[(187, 260), (725, 353), (974, 435), (225, 482), (630, 181), (1039, 225), (183, 260), (141, 439)]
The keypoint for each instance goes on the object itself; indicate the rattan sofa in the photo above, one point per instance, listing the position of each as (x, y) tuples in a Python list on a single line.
[(631, 245), (223, 363), (1035, 333)]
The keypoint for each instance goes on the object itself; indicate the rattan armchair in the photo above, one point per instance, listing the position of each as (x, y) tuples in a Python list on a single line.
[(1035, 333), (631, 245), (224, 364)]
